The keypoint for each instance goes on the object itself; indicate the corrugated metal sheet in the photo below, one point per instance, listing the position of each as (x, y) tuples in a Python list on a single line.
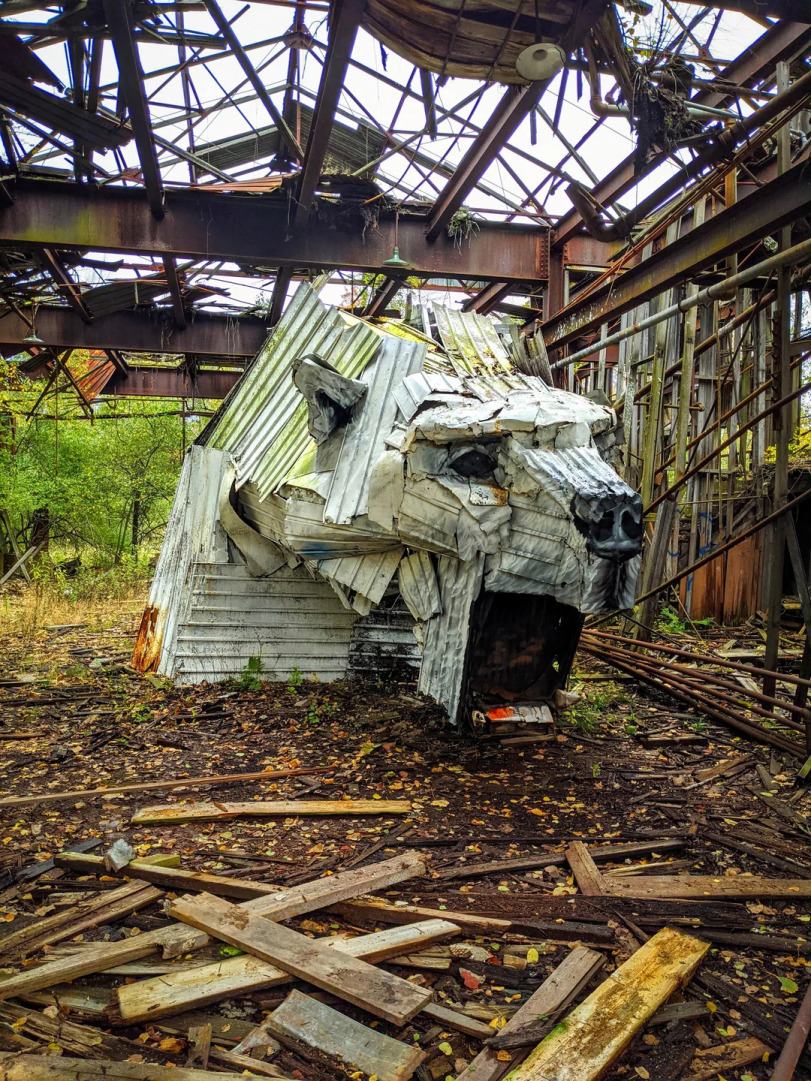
[(472, 343), (418, 585), (233, 617), (192, 534), (298, 524), (446, 635), (414, 390), (365, 436), (367, 575), (263, 422)]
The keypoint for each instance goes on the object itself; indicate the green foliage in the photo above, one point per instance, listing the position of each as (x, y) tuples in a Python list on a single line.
[(462, 226), (107, 484), (295, 681), (595, 707), (321, 711), (669, 622), (251, 677), (799, 449)]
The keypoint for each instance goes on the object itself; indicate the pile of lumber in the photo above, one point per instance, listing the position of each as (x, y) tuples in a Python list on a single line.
[(322, 980)]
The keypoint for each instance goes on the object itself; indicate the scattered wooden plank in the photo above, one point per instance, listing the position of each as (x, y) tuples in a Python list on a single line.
[(710, 1061), (380, 911), (554, 994), (151, 786), (199, 1045), (170, 877), (597, 1031), (178, 939), (38, 1068), (553, 858), (518, 741), (27, 874), (213, 812), (313, 1023), (241, 1063), (224, 1030), (679, 1011), (694, 887), (104, 907), (766, 779), (81, 1040), (584, 869), (356, 981), (724, 767), (449, 1018), (81, 1001), (170, 994), (789, 866)]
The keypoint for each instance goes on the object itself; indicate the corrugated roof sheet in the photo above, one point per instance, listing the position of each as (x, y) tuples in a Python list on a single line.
[(418, 585), (263, 422), (446, 635), (365, 435), (192, 534), (472, 343)]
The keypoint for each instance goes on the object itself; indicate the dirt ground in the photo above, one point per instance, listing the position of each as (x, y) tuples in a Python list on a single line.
[(73, 714)]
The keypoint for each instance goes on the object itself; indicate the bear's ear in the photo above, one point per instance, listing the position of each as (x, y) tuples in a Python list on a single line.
[(330, 396)]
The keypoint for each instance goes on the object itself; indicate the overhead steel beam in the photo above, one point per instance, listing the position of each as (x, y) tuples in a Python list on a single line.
[(68, 289), (242, 58), (516, 103), (170, 383), (776, 204), (383, 297), (250, 229), (486, 299), (782, 41), (131, 75), (173, 282), (343, 28), (284, 276), (152, 331)]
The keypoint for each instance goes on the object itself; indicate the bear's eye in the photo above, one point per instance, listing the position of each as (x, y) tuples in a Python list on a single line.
[(473, 463)]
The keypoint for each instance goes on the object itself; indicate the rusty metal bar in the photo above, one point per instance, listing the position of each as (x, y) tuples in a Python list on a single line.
[(150, 331), (776, 204), (170, 383), (784, 1068), (173, 281), (250, 230)]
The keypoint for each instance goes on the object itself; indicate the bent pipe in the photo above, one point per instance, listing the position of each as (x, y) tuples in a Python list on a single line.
[(722, 144)]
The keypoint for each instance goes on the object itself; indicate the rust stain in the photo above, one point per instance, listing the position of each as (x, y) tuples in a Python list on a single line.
[(148, 644)]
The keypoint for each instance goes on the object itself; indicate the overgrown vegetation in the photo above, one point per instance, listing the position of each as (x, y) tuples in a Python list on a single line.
[(98, 487), (597, 707)]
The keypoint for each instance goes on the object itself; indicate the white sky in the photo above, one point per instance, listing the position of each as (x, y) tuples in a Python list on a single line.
[(369, 98)]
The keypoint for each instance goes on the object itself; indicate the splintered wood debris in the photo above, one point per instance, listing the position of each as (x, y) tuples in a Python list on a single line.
[(370, 900)]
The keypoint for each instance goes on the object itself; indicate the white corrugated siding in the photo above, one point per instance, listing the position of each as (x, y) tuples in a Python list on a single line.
[(289, 620)]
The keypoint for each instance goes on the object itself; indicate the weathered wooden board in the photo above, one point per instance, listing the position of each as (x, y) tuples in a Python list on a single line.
[(212, 812), (356, 981), (38, 1068), (700, 887), (555, 993), (367, 909), (170, 877), (178, 939), (709, 1062), (191, 989), (595, 1033), (145, 786), (449, 1018), (304, 1018), (587, 876)]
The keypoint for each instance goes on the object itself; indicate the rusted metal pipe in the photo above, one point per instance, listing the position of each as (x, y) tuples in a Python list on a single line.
[(723, 143), (742, 692), (738, 666), (722, 446), (673, 686), (790, 256), (793, 1047)]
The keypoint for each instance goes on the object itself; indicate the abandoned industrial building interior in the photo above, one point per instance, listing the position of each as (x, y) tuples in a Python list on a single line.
[(405, 540)]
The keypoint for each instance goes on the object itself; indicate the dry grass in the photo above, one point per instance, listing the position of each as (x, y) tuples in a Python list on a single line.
[(28, 611)]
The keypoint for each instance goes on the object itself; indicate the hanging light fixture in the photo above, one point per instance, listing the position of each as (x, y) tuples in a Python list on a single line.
[(395, 262), (31, 338)]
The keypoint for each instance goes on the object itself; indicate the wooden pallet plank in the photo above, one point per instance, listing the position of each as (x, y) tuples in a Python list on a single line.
[(38, 1068), (705, 887), (166, 814), (192, 989), (590, 1038), (584, 869), (304, 1018)]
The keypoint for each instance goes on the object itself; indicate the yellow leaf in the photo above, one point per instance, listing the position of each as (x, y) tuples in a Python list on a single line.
[(537, 811), (532, 955), (504, 1056), (711, 1007), (643, 1073), (171, 1045)]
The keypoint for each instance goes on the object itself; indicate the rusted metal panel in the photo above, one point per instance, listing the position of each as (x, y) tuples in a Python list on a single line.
[(251, 229), (171, 383), (150, 331), (778, 203)]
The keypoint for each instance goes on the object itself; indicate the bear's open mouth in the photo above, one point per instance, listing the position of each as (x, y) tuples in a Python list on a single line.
[(520, 649)]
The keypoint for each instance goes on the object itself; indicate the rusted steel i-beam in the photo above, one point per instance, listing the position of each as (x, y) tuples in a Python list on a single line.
[(68, 289), (251, 229), (171, 383), (151, 331), (778, 203), (131, 75), (779, 42), (382, 298)]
